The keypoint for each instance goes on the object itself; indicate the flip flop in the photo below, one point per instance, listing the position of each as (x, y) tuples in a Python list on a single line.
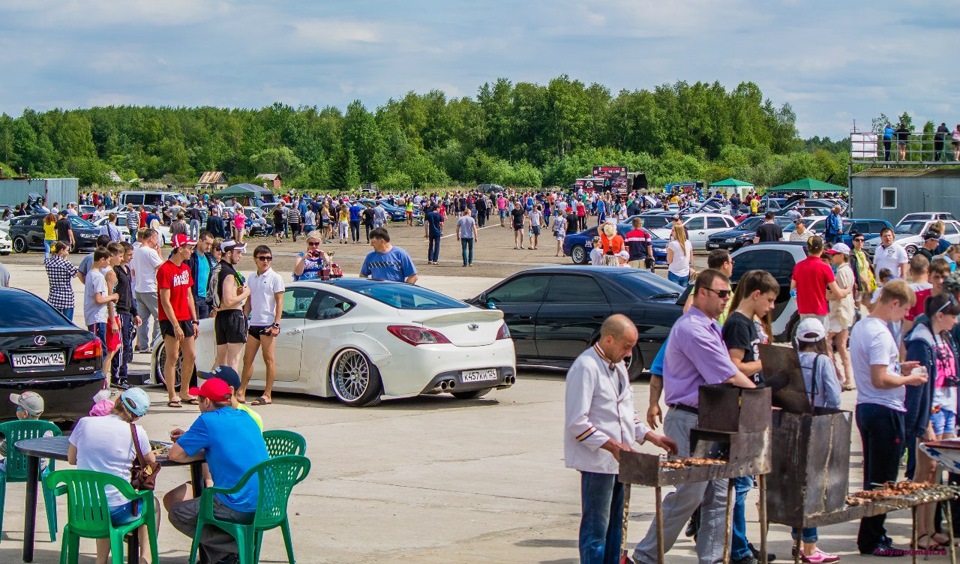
[(192, 401), (174, 403), (261, 401)]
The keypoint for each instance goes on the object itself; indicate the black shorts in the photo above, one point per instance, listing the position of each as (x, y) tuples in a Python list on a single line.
[(257, 330), (166, 328), (230, 327), (518, 228)]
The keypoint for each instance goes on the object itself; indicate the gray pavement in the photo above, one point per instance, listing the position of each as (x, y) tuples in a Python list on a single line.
[(429, 479)]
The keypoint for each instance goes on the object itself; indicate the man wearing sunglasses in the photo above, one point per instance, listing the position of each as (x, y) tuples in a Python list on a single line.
[(265, 308), (695, 356)]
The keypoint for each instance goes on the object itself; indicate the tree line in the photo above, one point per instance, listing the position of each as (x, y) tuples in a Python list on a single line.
[(522, 134)]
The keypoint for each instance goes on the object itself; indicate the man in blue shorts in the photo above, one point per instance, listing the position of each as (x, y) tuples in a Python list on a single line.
[(387, 262)]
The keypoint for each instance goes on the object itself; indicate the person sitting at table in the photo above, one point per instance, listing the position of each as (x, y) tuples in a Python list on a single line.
[(231, 443), (29, 406), (230, 376), (105, 444)]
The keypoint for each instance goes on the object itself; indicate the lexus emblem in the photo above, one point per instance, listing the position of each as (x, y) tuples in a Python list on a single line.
[(473, 327), (39, 340)]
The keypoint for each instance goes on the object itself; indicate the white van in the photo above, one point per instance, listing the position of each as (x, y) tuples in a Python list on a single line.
[(151, 198)]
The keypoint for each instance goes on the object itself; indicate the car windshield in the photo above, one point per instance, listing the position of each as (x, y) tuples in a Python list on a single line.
[(407, 296), (645, 285), (80, 222), (749, 224), (655, 221), (22, 310), (910, 228)]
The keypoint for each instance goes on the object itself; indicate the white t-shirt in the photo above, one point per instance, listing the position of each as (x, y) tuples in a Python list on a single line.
[(891, 257), (871, 344), (263, 302), (104, 444), (681, 258), (144, 264), (95, 284)]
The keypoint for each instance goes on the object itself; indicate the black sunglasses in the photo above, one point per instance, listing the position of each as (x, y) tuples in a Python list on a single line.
[(265, 258), (720, 293)]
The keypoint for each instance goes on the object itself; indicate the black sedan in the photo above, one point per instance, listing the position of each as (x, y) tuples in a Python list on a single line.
[(554, 313), (27, 233), (40, 350), (742, 234)]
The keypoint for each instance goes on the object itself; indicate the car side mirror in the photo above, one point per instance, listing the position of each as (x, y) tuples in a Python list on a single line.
[(491, 304)]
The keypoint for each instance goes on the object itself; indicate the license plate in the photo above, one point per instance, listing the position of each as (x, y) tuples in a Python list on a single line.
[(38, 359), (713, 246), (478, 375)]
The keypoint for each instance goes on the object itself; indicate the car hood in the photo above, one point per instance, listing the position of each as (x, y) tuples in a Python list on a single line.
[(733, 233)]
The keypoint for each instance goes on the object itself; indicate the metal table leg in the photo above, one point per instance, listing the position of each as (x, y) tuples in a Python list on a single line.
[(659, 518), (949, 515), (797, 547), (762, 484), (624, 549), (914, 543), (133, 547), (728, 531), (196, 478), (30, 507)]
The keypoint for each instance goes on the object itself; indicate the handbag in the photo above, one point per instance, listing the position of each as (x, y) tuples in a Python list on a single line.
[(143, 474)]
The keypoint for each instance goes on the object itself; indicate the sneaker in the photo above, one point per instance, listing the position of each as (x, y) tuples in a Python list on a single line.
[(820, 557), (748, 559), (886, 551), (756, 553)]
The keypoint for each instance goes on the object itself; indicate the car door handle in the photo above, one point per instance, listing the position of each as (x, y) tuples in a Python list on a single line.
[(524, 317), (294, 331), (599, 316)]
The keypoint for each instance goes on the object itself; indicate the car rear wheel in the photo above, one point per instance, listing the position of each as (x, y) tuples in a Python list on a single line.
[(20, 245), (354, 379), (635, 364), (579, 254), (472, 394), (161, 355)]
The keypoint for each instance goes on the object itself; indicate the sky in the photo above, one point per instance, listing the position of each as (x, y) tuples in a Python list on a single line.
[(836, 63)]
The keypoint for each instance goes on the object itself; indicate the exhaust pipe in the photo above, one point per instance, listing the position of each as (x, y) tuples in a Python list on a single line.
[(443, 385), (453, 384)]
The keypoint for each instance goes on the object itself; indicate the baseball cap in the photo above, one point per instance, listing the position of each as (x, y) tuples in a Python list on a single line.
[(839, 249), (623, 254), (181, 239), (225, 373), (931, 235), (136, 401), (810, 330), (231, 245), (31, 402), (214, 389)]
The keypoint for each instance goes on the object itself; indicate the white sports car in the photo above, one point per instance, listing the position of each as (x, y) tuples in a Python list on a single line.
[(363, 340)]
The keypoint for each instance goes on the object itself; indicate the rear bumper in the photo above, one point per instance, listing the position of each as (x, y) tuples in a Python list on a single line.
[(506, 376), (65, 398)]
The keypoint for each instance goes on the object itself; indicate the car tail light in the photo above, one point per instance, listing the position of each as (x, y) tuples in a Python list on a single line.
[(417, 335), (88, 350), (504, 332), (2, 358)]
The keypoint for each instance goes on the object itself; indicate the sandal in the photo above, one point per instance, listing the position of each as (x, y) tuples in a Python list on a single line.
[(931, 545), (192, 401), (945, 543), (174, 403), (261, 401)]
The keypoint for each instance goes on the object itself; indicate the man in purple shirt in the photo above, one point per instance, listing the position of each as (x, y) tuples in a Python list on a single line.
[(695, 356)]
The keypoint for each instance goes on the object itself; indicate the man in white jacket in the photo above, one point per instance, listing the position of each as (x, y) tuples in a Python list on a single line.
[(600, 424)]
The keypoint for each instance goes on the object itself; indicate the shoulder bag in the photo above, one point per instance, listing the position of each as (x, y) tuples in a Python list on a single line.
[(143, 474)]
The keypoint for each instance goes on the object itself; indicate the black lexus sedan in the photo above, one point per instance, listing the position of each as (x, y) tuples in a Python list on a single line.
[(554, 313), (27, 233), (41, 350)]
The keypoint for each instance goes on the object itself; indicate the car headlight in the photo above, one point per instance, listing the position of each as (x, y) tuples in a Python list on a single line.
[(731, 240)]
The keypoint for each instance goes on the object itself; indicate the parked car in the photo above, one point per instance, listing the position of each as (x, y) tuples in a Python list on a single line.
[(700, 226), (778, 259), (86, 212), (819, 207), (43, 351), (27, 233), (742, 234), (121, 225), (554, 313), (579, 245), (925, 216), (6, 244), (656, 219), (490, 188), (909, 234), (869, 228), (364, 340), (816, 223)]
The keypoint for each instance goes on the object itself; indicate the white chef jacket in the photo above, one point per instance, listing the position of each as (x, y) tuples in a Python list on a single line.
[(599, 406)]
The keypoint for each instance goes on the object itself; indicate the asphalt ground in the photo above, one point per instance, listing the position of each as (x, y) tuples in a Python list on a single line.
[(427, 479)]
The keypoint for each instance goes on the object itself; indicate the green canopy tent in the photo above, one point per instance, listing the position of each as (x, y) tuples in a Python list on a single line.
[(808, 185), (732, 185), (249, 194)]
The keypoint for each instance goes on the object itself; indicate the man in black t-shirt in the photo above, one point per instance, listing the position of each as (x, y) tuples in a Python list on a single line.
[(516, 215), (64, 230), (769, 231), (572, 221)]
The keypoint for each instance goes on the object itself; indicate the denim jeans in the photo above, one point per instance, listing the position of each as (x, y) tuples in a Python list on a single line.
[(118, 368), (67, 312), (47, 244), (882, 437), (433, 248), (681, 280), (601, 525), (100, 330), (806, 535), (738, 543), (466, 245)]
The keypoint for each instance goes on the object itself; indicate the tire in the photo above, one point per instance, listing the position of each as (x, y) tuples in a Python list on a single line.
[(911, 250), (20, 244), (790, 333), (161, 354), (473, 394), (579, 254), (74, 248), (354, 379), (635, 366)]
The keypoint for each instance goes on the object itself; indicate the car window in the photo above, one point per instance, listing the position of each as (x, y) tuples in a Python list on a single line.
[(655, 221), (694, 223), (524, 289), (408, 296), (79, 222), (22, 310), (716, 223), (328, 306), (730, 221), (911, 228), (296, 302), (778, 263), (575, 289), (951, 229)]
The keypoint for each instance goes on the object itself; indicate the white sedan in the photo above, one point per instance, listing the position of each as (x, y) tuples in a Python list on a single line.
[(125, 235), (700, 226), (362, 341), (909, 234), (6, 245)]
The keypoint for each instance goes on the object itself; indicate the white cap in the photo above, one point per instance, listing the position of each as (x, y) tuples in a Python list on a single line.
[(839, 248), (810, 330), (624, 255)]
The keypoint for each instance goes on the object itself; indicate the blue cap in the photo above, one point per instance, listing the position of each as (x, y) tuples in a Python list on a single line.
[(225, 373), (136, 401)]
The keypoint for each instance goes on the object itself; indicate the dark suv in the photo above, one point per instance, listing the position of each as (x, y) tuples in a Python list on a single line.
[(27, 233)]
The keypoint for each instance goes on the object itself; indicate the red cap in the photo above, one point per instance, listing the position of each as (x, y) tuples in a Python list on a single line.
[(180, 239), (214, 389)]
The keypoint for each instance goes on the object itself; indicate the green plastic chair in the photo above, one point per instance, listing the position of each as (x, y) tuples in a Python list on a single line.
[(284, 443), (14, 431), (88, 514), (276, 478)]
